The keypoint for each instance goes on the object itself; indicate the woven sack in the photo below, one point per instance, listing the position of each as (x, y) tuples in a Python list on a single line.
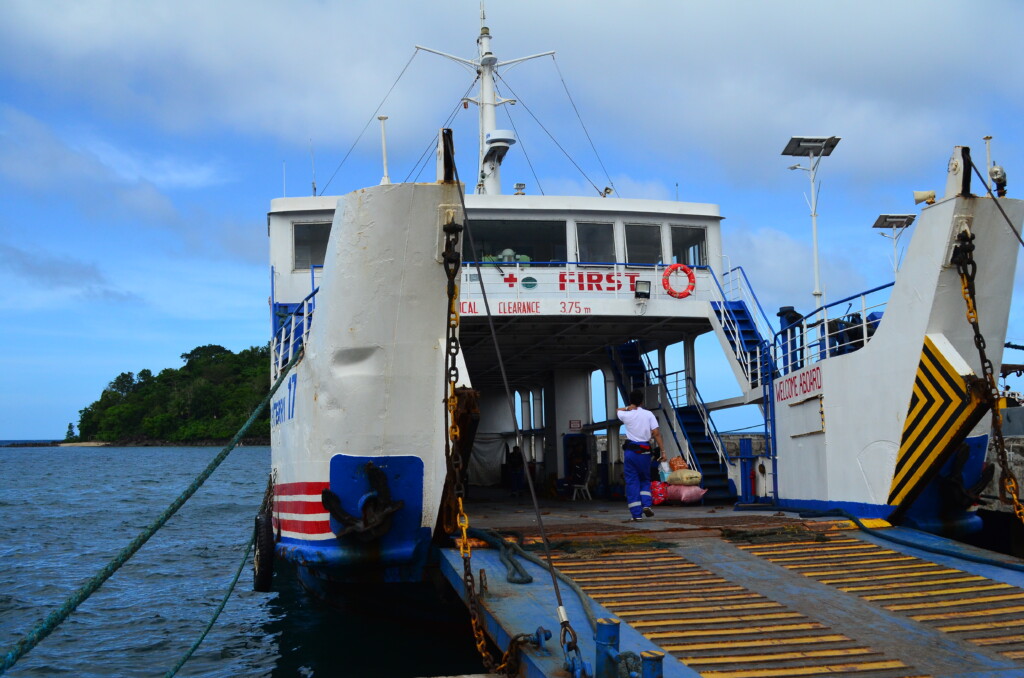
[(684, 477)]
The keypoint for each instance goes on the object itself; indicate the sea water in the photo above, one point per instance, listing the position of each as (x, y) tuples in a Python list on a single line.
[(65, 512)]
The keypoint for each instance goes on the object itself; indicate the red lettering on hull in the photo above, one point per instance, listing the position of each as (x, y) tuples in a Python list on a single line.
[(518, 307), (803, 384)]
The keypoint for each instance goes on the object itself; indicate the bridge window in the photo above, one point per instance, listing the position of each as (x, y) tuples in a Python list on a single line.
[(689, 246), (643, 243), (595, 243), (517, 241), (311, 244)]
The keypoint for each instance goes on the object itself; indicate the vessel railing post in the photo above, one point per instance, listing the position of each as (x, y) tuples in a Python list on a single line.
[(307, 316), (823, 338), (651, 664), (606, 642), (291, 337), (276, 349), (864, 318)]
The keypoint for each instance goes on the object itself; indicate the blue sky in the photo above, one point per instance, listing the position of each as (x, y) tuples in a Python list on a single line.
[(141, 144)]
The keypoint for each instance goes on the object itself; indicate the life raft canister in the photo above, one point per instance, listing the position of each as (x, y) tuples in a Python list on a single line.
[(689, 274)]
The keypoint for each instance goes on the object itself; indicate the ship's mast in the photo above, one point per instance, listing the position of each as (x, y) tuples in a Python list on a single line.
[(494, 142)]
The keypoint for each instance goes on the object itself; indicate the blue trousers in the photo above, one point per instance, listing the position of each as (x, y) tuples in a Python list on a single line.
[(637, 469)]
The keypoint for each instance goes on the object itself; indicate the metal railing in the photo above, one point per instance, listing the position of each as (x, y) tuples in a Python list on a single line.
[(828, 331), (293, 333), (710, 430), (749, 360), (736, 287), (669, 386)]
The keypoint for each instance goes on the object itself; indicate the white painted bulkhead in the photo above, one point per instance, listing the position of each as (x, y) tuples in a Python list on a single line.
[(371, 381), (291, 280), (840, 421)]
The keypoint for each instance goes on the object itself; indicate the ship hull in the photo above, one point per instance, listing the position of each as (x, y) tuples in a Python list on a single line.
[(357, 431)]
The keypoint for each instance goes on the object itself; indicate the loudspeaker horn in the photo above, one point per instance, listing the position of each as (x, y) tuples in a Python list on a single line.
[(924, 196)]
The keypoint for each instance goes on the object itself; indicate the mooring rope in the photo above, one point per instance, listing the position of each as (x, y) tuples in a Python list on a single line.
[(58, 616), (220, 608)]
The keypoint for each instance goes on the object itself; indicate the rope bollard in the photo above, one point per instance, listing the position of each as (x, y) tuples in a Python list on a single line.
[(606, 663), (652, 664)]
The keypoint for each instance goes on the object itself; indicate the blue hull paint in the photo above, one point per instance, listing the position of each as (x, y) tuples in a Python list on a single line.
[(928, 512), (400, 555), (855, 508)]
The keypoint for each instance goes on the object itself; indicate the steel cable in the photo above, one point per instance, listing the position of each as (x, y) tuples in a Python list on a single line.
[(566, 626)]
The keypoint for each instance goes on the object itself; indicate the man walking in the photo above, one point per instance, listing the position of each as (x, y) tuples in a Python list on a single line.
[(640, 424)]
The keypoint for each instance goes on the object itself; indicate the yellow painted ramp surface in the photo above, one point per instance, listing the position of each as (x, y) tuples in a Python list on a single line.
[(974, 608), (719, 628)]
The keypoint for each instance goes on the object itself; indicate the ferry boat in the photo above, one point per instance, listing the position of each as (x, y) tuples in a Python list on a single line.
[(872, 403)]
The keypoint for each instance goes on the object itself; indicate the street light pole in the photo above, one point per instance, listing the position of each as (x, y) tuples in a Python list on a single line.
[(814, 227), (814, 149), (899, 224)]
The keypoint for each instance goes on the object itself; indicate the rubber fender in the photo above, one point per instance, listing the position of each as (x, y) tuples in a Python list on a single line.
[(263, 554)]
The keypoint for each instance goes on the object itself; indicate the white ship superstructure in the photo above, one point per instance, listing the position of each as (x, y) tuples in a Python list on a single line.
[(576, 285)]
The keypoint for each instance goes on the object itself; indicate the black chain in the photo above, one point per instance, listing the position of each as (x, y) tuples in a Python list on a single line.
[(986, 386), (452, 260)]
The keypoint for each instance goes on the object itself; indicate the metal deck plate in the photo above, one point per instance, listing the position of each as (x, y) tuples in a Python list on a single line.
[(818, 598)]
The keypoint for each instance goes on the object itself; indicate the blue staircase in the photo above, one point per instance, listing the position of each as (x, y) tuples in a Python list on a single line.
[(630, 370), (740, 330), (715, 476)]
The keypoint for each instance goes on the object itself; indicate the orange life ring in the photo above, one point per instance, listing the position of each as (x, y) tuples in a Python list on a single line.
[(689, 274)]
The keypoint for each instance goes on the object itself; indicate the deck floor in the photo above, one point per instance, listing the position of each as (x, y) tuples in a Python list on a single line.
[(735, 594)]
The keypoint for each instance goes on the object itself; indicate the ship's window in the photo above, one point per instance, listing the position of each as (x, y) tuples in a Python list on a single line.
[(643, 243), (595, 243), (523, 242), (689, 246), (311, 244)]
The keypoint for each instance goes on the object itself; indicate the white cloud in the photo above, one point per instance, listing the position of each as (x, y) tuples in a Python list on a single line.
[(52, 281), (35, 159), (734, 79), (164, 173)]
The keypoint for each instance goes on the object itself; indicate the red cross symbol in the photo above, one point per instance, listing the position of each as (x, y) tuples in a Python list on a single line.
[(511, 279)]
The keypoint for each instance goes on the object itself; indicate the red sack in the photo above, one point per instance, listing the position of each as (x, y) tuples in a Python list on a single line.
[(658, 492)]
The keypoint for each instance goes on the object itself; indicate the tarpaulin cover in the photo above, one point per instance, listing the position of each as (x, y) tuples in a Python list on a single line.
[(486, 460)]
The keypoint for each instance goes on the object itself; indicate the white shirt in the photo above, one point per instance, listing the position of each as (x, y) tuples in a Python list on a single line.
[(639, 424)]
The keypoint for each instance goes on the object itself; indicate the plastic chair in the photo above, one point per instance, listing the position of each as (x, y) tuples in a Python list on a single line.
[(582, 489)]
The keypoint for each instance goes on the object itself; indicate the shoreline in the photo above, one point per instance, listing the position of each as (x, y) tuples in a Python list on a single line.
[(245, 442)]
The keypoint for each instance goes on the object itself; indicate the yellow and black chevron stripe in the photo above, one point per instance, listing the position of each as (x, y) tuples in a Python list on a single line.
[(942, 411)]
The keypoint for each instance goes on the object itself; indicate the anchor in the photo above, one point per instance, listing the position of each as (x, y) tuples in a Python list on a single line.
[(376, 507)]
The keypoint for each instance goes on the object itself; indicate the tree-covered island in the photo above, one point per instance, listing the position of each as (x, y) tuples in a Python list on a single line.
[(205, 401)]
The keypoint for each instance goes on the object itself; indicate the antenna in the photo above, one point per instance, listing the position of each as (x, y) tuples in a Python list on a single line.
[(384, 149), (988, 158), (312, 161), (494, 142), (284, 179)]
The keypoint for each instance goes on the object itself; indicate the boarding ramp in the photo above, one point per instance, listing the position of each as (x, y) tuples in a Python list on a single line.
[(755, 595)]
